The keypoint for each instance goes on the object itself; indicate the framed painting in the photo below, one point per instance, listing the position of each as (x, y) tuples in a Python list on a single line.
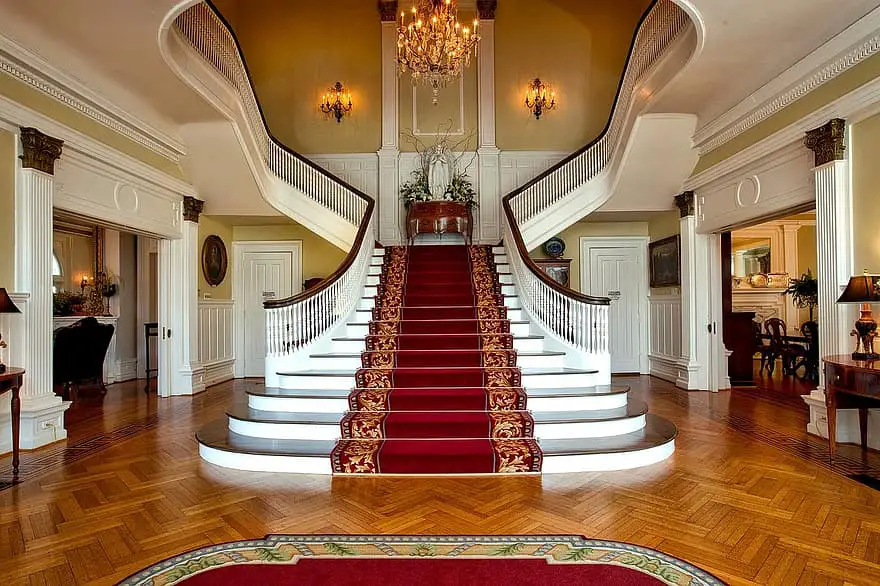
[(214, 260), (665, 261)]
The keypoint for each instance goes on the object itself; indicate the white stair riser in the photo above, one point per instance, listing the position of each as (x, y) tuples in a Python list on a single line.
[(528, 344), (557, 381), (508, 279), (347, 346), (512, 303), (582, 403), (354, 362), (316, 382), (372, 279), (604, 462), (297, 404), (520, 344), (508, 290), (303, 431), (540, 361), (367, 303), (582, 429), (498, 250), (520, 329), (375, 270), (501, 259), (360, 330), (378, 252), (261, 463)]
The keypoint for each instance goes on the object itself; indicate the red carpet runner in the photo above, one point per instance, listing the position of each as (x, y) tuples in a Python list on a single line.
[(439, 391)]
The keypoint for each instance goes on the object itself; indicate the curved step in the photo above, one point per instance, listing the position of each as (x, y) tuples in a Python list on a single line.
[(452, 357), (653, 443), (298, 400), (583, 398)]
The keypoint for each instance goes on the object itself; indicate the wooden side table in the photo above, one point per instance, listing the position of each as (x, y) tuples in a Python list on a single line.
[(850, 384), (11, 380), (438, 217)]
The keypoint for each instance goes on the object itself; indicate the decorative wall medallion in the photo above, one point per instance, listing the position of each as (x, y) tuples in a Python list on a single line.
[(214, 260), (748, 192), (125, 197)]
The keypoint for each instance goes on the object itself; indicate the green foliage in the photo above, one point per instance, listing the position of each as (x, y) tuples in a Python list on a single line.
[(338, 549), (509, 549), (804, 291), (273, 555), (460, 189), (63, 302), (578, 554)]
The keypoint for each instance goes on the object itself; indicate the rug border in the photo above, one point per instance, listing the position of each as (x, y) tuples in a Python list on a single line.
[(144, 576)]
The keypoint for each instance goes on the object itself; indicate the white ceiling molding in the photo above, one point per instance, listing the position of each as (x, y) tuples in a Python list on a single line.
[(859, 103), (39, 74), (13, 115), (843, 52)]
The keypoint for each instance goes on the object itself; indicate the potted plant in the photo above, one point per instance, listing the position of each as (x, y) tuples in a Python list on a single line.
[(804, 291)]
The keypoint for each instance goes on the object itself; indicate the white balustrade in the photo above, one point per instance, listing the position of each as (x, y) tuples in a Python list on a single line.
[(295, 322), (659, 28), (210, 37)]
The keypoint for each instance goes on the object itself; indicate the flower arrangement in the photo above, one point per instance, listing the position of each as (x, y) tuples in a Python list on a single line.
[(446, 154)]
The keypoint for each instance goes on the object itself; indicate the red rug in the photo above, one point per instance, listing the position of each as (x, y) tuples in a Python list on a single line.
[(398, 560), (439, 391)]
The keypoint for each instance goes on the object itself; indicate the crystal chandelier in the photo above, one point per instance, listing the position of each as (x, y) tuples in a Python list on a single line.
[(434, 46)]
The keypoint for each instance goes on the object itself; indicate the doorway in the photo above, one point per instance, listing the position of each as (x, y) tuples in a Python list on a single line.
[(263, 271), (617, 268)]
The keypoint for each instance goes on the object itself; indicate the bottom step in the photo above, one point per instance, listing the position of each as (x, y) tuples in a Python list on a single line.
[(654, 443)]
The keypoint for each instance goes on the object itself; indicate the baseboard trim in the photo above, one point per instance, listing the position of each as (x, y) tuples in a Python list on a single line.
[(664, 367), (219, 371)]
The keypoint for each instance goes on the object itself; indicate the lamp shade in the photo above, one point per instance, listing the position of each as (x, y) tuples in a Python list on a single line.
[(6, 304), (863, 288)]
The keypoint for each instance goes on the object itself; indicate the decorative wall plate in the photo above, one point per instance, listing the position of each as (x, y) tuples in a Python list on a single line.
[(555, 247)]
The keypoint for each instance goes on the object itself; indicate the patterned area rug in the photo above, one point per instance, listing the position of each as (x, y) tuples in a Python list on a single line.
[(401, 560), (439, 391)]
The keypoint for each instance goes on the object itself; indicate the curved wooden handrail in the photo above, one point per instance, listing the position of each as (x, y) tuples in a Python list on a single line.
[(352, 254), (519, 244)]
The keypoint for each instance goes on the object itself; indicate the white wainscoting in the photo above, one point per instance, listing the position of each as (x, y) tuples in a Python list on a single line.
[(216, 340), (360, 170), (664, 351), (520, 167)]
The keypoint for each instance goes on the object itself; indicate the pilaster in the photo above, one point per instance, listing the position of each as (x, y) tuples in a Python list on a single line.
[(42, 411), (692, 372), (790, 266), (488, 156), (187, 373), (833, 254), (389, 208)]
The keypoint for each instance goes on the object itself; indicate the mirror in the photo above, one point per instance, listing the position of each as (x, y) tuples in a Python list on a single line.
[(750, 256)]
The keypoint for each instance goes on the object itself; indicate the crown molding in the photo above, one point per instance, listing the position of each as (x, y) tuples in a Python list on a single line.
[(854, 45), (31, 69)]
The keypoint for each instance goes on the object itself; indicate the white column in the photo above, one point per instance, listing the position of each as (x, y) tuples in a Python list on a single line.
[(183, 315), (835, 263), (790, 266), (692, 370), (488, 216), (390, 210), (42, 411)]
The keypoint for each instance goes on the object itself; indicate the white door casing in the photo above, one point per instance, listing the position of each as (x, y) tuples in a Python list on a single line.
[(262, 271), (617, 268)]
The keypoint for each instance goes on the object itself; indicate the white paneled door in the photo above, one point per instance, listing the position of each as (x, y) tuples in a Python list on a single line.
[(617, 270), (264, 274)]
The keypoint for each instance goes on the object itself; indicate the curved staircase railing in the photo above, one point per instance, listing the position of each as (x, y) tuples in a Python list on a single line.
[(296, 321), (582, 320)]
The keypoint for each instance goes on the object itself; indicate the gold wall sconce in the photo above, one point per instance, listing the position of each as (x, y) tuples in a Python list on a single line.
[(337, 102), (539, 98)]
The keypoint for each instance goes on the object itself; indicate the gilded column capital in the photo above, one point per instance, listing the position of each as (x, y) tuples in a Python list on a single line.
[(827, 142), (486, 9), (388, 10), (686, 204), (192, 207), (39, 151)]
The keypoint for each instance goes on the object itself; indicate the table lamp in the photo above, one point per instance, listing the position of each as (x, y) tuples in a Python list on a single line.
[(863, 289), (6, 306)]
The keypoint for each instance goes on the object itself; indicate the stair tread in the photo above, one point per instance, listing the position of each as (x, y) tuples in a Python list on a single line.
[(217, 435), (440, 350), (299, 393), (657, 431), (593, 391), (536, 371), (633, 408), (244, 413), (515, 337)]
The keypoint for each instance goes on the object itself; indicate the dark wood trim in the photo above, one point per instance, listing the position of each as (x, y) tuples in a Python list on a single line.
[(368, 213), (508, 210)]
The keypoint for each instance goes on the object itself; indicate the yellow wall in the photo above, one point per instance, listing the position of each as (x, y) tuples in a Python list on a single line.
[(664, 224), (579, 48), (320, 258), (806, 247), (23, 94), (572, 235), (211, 225), (7, 210), (295, 51), (841, 85), (865, 141)]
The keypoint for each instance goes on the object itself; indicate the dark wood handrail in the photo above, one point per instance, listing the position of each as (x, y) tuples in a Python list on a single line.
[(508, 210), (368, 212)]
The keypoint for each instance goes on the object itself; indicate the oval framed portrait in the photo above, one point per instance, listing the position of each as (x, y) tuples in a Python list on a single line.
[(214, 260)]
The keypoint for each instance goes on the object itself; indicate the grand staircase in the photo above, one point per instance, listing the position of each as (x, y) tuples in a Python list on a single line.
[(440, 372)]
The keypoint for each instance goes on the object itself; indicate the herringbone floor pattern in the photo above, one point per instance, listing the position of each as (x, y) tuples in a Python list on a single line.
[(730, 502)]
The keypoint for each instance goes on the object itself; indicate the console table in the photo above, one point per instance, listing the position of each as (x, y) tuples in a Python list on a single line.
[(438, 217), (850, 384), (11, 380)]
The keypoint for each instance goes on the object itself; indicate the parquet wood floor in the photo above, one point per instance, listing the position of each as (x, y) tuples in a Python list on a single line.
[(746, 496)]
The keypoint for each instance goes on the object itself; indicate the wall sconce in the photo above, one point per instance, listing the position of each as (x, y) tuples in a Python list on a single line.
[(337, 102), (537, 98)]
